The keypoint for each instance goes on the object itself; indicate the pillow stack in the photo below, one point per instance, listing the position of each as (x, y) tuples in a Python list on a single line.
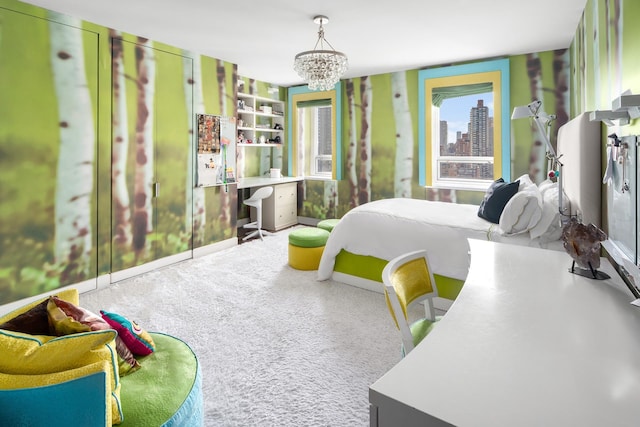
[(56, 340), (523, 207), (36, 359)]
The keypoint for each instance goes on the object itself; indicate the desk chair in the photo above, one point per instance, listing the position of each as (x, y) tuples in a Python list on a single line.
[(255, 201), (407, 279)]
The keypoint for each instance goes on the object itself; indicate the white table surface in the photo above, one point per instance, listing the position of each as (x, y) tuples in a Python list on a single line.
[(526, 343), (249, 182)]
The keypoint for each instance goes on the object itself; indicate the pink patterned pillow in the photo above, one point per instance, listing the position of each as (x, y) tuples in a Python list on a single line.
[(137, 339)]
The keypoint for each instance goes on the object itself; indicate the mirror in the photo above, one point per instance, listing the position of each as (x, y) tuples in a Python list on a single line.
[(464, 130), (300, 99)]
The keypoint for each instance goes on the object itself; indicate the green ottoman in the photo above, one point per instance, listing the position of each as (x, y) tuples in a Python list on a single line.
[(306, 246), (328, 224)]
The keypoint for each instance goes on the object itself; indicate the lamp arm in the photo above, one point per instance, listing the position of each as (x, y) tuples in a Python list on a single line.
[(543, 132), (555, 163)]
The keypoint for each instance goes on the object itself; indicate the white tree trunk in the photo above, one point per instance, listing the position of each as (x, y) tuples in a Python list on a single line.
[(596, 55), (537, 165), (302, 138), (75, 174), (120, 146), (609, 50), (195, 101), (404, 135), (143, 208), (366, 93), (585, 61), (619, 28), (352, 152), (276, 155), (330, 198), (199, 193), (225, 208)]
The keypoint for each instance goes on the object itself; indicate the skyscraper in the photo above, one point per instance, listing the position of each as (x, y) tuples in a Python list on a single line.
[(479, 130)]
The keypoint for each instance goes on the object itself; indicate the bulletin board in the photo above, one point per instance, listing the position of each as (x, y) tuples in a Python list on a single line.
[(216, 150)]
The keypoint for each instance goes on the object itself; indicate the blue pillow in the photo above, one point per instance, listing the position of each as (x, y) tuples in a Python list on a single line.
[(496, 198)]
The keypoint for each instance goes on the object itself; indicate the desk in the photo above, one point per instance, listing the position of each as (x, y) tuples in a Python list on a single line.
[(280, 210), (526, 343), (257, 181)]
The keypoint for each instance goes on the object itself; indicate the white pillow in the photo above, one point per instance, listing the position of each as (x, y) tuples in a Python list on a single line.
[(549, 227), (524, 209)]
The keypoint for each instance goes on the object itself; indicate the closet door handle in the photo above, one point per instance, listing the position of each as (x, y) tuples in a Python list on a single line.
[(156, 189)]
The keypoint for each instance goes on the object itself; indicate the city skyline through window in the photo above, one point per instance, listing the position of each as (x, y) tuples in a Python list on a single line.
[(466, 132)]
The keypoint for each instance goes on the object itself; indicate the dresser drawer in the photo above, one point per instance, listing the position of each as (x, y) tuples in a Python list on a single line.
[(280, 210), (285, 216), (285, 194)]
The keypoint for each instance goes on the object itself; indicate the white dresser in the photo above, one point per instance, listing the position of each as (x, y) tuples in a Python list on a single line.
[(526, 343), (280, 210)]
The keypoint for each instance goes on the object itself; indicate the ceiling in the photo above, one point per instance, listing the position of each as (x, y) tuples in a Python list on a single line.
[(263, 37)]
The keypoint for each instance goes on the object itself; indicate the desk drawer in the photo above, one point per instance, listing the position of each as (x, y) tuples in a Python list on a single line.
[(280, 210), (285, 216), (285, 194)]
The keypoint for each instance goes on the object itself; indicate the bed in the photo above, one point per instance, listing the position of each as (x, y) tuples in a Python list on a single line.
[(369, 235)]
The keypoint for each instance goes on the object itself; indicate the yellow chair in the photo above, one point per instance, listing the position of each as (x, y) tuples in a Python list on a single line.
[(408, 279)]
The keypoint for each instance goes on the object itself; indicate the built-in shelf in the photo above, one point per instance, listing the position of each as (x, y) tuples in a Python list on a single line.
[(624, 108), (260, 118), (629, 103), (259, 145)]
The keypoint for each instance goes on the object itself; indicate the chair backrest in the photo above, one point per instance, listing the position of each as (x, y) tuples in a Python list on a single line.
[(260, 193), (408, 279)]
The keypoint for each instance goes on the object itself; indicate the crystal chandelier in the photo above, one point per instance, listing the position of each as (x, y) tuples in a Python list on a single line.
[(321, 68)]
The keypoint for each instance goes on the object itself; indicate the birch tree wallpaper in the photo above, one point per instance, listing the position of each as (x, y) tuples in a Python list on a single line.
[(97, 148), (97, 139), (380, 135)]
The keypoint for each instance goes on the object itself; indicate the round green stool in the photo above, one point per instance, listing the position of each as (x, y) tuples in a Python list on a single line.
[(328, 224), (306, 246)]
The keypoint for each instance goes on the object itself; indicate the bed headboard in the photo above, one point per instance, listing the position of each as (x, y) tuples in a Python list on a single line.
[(580, 144)]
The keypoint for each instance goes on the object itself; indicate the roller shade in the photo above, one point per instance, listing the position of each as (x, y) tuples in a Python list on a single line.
[(439, 94), (314, 103)]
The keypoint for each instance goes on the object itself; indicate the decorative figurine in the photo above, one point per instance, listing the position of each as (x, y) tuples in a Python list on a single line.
[(582, 243)]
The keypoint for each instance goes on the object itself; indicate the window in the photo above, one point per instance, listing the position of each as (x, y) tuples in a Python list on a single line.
[(321, 150), (464, 126), (465, 133), (314, 132)]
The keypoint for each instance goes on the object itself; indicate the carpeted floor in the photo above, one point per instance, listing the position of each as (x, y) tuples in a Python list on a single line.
[(276, 347)]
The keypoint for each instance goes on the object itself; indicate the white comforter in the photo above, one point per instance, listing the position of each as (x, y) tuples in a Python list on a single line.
[(390, 227)]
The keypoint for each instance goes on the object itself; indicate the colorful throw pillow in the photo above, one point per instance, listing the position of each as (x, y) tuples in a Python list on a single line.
[(137, 339), (70, 295), (36, 395), (35, 321), (24, 354), (67, 318), (495, 199)]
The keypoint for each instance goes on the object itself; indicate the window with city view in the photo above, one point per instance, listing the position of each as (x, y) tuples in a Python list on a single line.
[(466, 129), (463, 125)]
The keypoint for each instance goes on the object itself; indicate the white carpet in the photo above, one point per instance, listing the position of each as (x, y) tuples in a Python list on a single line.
[(276, 347)]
